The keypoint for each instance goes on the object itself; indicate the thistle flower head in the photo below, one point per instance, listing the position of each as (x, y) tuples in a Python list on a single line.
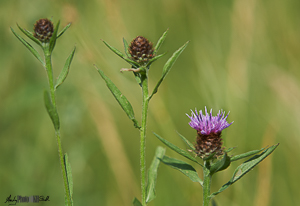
[(141, 50), (43, 30), (209, 130)]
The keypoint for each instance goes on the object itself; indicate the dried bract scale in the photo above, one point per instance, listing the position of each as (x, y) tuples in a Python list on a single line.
[(43, 30), (141, 50), (209, 130)]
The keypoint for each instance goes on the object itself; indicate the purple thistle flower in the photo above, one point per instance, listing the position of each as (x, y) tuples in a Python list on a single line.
[(209, 130), (207, 124)]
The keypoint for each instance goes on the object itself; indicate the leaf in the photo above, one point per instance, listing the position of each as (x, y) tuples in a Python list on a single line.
[(65, 71), (167, 67), (152, 173), (177, 149), (245, 167), (244, 155), (53, 38), (69, 176), (30, 35), (122, 100), (136, 202), (160, 41), (183, 167), (230, 149), (51, 110), (186, 141), (63, 31), (31, 49), (154, 59), (220, 164), (126, 47), (120, 54)]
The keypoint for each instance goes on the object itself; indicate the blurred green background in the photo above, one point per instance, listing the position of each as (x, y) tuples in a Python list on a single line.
[(243, 57)]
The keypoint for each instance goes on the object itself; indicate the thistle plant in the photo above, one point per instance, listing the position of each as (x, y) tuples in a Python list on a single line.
[(209, 148), (45, 36), (140, 54)]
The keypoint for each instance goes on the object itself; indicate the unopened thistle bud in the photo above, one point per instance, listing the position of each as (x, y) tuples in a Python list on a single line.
[(209, 130), (141, 50), (43, 30)]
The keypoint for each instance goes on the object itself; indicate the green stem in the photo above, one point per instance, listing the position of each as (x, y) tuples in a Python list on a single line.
[(145, 103), (206, 183), (57, 133)]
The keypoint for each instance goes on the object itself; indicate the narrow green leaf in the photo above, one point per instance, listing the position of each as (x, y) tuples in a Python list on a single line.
[(152, 173), (122, 100), (31, 49), (51, 110), (230, 149), (136, 202), (63, 31), (160, 41), (177, 149), (186, 141), (154, 59), (221, 164), (244, 155), (183, 167), (120, 54), (69, 176), (126, 47), (30, 35), (137, 77), (167, 67), (245, 167), (53, 38), (65, 71)]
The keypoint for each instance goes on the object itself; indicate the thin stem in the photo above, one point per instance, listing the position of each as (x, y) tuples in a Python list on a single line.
[(57, 132), (50, 74), (143, 136), (206, 184)]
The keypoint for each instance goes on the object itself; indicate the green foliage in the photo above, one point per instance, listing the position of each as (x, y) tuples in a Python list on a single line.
[(183, 167), (177, 149), (136, 202), (167, 67), (245, 167), (65, 71), (122, 100), (28, 46), (51, 110), (152, 173), (69, 178)]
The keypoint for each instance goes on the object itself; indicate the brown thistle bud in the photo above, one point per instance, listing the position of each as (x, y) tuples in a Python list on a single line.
[(43, 30), (208, 144), (141, 49)]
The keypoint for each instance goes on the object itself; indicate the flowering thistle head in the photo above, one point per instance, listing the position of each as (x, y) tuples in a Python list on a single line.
[(43, 30), (209, 130), (141, 50)]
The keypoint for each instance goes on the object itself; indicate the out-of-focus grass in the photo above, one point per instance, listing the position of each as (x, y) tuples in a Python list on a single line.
[(243, 57)]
